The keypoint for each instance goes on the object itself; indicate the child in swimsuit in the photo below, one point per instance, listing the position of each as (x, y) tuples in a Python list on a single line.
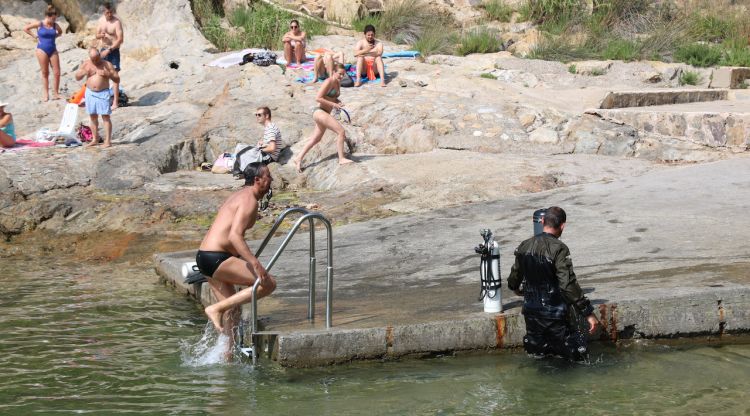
[(7, 129)]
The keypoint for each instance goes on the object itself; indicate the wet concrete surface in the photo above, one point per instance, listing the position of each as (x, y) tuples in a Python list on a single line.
[(663, 253)]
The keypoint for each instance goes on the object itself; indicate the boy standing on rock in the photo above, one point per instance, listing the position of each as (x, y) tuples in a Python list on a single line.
[(98, 73), (224, 256)]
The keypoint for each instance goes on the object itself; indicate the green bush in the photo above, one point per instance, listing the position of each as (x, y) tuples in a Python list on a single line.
[(711, 28), (435, 40), (689, 78), (487, 75), (622, 49), (498, 10), (698, 54), (735, 53), (544, 10), (480, 40), (572, 69), (405, 20), (259, 26)]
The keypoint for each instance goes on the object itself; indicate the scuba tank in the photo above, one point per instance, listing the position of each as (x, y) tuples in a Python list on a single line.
[(489, 273)]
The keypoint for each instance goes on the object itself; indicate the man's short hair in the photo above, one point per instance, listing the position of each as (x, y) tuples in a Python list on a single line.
[(554, 217), (252, 171), (108, 6), (266, 111), (369, 28)]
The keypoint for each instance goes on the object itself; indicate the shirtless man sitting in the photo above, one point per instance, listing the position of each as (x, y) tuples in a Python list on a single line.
[(224, 256), (98, 72), (109, 33), (294, 43), (369, 48)]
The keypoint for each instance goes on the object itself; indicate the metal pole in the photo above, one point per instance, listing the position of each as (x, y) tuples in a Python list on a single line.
[(311, 291)]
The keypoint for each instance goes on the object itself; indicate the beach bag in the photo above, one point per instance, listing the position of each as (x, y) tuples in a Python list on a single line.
[(84, 133), (247, 58), (264, 58), (246, 156), (223, 164), (347, 81)]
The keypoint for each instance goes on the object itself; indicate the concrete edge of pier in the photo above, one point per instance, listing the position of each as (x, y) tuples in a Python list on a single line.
[(714, 311)]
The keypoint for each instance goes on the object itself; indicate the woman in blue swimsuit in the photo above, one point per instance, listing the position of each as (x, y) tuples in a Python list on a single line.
[(328, 100), (47, 31), (7, 130)]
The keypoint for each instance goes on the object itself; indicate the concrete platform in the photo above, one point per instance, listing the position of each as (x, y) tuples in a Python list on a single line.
[(661, 255)]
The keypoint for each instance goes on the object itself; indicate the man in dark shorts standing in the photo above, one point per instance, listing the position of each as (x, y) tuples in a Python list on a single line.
[(224, 256), (550, 293), (109, 33)]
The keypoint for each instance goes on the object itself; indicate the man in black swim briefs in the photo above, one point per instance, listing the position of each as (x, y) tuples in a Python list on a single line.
[(225, 257)]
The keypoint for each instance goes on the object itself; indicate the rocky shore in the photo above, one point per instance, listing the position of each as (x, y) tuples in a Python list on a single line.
[(448, 130)]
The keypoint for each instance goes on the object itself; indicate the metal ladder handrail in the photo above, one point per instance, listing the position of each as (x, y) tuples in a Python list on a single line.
[(310, 218)]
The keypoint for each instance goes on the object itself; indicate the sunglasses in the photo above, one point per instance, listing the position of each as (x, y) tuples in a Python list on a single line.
[(258, 114), (294, 26)]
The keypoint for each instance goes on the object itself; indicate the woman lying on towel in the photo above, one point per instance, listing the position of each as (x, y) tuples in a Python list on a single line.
[(328, 101), (323, 66), (7, 130)]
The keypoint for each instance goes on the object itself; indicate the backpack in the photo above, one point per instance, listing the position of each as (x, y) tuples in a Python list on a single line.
[(264, 58), (84, 133), (247, 58), (246, 156)]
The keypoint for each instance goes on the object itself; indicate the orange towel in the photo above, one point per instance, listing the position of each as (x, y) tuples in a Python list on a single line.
[(78, 97), (369, 64)]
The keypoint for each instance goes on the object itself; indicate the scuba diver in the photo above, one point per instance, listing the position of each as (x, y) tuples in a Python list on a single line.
[(543, 274)]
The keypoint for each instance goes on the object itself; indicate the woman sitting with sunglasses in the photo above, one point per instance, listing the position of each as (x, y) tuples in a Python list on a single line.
[(294, 43)]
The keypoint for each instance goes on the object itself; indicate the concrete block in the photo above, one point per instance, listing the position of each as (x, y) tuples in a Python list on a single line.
[(729, 77), (444, 336), (308, 349), (624, 99)]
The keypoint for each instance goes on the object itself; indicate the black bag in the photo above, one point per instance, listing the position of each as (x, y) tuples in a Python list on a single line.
[(347, 81), (264, 58), (247, 58)]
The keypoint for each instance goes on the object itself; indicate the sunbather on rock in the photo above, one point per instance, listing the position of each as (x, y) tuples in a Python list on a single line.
[(294, 43), (7, 130), (369, 49), (323, 66), (328, 101), (98, 73)]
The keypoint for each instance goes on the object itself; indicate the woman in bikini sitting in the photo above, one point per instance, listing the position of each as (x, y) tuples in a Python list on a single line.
[(323, 66), (7, 130), (47, 31), (328, 102)]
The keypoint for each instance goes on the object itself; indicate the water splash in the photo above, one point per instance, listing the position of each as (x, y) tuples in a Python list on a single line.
[(210, 349)]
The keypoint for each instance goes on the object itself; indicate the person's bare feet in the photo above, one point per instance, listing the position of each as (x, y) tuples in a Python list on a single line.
[(383, 84), (107, 144), (57, 96), (115, 107), (345, 161), (214, 316), (298, 165), (45, 98), (92, 143), (358, 84)]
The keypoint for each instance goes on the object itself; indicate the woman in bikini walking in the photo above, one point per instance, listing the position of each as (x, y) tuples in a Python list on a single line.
[(47, 31), (328, 101)]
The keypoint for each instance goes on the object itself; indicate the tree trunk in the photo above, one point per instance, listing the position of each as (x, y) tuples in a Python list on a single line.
[(72, 12)]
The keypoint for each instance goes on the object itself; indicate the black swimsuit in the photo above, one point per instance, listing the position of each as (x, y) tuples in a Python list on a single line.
[(209, 261)]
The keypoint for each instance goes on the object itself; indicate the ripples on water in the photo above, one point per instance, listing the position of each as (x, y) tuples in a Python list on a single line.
[(108, 339)]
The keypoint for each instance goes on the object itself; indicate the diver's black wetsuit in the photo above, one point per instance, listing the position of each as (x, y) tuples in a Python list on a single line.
[(544, 267)]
